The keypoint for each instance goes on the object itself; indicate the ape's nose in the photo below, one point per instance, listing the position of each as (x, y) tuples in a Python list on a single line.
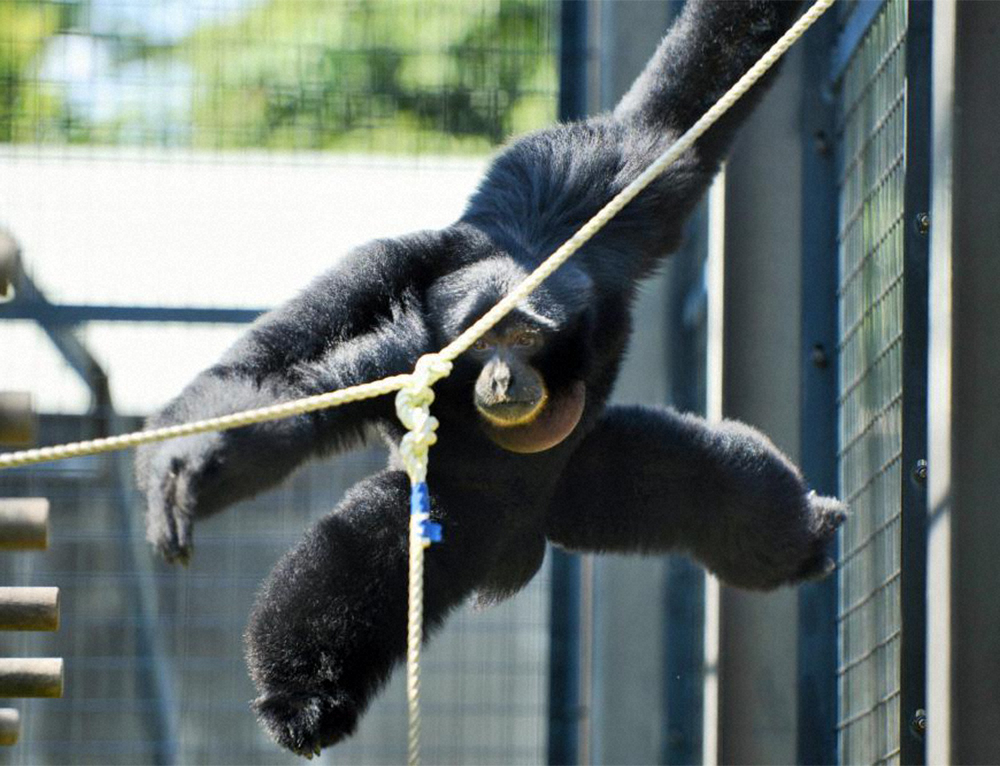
[(501, 380), (503, 398)]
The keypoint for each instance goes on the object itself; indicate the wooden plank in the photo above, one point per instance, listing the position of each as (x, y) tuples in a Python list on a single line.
[(17, 418), (31, 677), (24, 523), (29, 608), (10, 726)]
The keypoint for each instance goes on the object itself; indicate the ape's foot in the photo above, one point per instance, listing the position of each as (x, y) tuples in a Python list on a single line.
[(826, 514), (305, 722)]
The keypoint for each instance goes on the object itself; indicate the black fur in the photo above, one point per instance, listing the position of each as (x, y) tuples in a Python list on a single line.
[(328, 626)]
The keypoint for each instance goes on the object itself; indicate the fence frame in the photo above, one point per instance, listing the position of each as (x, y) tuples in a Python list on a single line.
[(916, 254)]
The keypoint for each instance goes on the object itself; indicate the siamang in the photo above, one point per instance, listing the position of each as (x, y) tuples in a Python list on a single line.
[(528, 451)]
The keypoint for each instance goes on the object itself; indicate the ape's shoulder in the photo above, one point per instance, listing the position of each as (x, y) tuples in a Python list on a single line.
[(544, 184)]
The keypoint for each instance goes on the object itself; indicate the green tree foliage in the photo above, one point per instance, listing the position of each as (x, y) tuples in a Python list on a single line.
[(381, 75), (25, 27), (394, 76)]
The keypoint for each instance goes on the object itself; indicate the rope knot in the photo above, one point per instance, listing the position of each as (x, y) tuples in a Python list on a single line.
[(413, 403)]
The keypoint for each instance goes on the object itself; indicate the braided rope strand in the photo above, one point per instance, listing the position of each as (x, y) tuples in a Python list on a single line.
[(414, 637), (221, 423), (413, 404)]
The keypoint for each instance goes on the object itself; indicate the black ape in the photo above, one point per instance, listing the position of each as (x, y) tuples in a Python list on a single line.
[(528, 450)]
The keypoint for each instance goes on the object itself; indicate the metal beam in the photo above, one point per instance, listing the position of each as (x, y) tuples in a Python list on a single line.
[(916, 253), (564, 618), (964, 621), (63, 338), (817, 645), (61, 314)]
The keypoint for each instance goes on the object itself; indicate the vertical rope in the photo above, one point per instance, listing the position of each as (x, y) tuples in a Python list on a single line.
[(422, 533), (413, 404), (414, 633)]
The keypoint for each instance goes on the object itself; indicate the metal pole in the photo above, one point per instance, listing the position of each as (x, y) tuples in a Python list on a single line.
[(564, 623), (817, 655)]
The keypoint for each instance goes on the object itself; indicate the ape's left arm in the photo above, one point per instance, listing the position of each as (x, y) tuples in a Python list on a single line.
[(360, 321), (548, 184), (650, 480)]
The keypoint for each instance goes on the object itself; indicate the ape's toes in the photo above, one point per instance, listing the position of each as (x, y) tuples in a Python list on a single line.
[(305, 723), (817, 567), (828, 513)]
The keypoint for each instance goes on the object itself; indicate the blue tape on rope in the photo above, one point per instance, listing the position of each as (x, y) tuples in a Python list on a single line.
[(420, 498), (420, 502), (431, 530)]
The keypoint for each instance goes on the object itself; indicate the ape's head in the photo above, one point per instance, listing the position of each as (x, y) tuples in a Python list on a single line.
[(527, 376)]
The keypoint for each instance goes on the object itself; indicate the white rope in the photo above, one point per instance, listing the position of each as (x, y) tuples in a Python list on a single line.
[(413, 404), (414, 637), (222, 423), (415, 397), (413, 408)]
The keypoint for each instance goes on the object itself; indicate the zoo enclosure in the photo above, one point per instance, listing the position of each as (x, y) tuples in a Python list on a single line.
[(863, 151)]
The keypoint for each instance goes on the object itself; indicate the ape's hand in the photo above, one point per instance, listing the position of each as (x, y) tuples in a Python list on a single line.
[(196, 476), (174, 476)]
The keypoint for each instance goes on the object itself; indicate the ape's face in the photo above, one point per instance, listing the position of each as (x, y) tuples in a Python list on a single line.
[(518, 410), (528, 373)]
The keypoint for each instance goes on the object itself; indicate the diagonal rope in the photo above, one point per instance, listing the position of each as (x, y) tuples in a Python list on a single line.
[(221, 423), (416, 393), (477, 329)]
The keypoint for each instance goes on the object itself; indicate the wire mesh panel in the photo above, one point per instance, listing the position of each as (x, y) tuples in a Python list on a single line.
[(872, 141)]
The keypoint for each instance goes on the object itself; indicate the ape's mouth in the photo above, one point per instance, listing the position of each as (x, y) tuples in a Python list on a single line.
[(510, 413), (551, 420)]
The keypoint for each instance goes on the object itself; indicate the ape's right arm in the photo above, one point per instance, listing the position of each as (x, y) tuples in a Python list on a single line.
[(651, 480), (359, 322)]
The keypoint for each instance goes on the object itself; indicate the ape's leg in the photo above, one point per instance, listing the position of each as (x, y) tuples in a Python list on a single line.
[(329, 624), (651, 480)]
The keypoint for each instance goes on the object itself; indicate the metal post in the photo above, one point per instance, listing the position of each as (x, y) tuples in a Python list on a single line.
[(684, 589), (964, 620), (564, 625), (564, 658), (573, 59), (817, 647), (916, 253)]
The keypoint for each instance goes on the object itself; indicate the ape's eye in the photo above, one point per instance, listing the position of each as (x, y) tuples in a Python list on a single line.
[(481, 345), (527, 339)]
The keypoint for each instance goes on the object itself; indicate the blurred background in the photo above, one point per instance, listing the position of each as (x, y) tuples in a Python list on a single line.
[(171, 168)]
